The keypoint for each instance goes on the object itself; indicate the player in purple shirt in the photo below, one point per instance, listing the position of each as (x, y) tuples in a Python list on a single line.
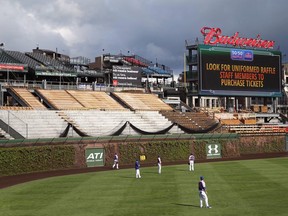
[(137, 169), (203, 193)]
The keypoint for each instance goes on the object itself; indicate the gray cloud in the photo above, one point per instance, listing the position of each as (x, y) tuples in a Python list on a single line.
[(151, 28)]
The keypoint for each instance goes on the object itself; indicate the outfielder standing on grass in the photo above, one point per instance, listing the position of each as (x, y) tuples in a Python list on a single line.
[(137, 169), (159, 162), (203, 193), (191, 162), (116, 161)]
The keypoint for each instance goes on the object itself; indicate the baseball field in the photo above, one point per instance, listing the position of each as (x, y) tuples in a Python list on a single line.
[(250, 187)]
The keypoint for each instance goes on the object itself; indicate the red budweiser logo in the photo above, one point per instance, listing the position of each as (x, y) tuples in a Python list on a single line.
[(11, 67), (213, 36)]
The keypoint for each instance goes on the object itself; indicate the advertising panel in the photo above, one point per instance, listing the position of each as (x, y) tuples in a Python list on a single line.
[(239, 72), (126, 76), (13, 67), (94, 157), (213, 150)]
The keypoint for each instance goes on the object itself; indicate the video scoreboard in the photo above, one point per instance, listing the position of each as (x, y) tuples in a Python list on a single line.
[(229, 71)]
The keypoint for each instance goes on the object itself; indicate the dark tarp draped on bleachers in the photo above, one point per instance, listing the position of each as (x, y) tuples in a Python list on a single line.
[(191, 131), (164, 131), (79, 132), (120, 130), (138, 130), (65, 132)]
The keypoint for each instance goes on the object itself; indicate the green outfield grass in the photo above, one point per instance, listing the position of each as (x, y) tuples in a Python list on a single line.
[(251, 187)]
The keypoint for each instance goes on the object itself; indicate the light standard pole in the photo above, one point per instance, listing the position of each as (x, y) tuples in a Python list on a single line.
[(60, 81)]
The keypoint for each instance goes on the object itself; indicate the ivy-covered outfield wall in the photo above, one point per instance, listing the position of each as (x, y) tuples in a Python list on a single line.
[(19, 160), (179, 150)]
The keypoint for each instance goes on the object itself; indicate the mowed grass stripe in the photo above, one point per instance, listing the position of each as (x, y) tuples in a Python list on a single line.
[(234, 188), (255, 180), (268, 183), (98, 196), (221, 179), (152, 191)]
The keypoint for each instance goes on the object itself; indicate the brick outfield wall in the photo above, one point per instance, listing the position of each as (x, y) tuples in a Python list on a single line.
[(63, 157)]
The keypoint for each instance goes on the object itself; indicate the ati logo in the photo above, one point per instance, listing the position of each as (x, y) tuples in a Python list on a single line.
[(213, 149), (95, 156)]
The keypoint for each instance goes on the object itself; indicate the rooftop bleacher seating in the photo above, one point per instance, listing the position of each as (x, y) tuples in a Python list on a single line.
[(27, 97), (147, 71), (24, 58), (103, 123), (134, 61), (95, 100), (50, 62), (142, 101), (190, 120), (59, 99), (143, 60), (256, 129), (159, 70), (33, 124), (5, 58), (231, 122)]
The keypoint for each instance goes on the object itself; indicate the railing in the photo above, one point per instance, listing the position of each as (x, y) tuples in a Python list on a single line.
[(62, 85), (11, 117), (111, 139), (249, 129)]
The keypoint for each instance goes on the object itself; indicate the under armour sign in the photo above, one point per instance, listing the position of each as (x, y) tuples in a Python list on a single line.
[(213, 150)]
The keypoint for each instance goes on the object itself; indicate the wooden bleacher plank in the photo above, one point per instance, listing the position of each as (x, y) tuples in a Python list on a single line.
[(60, 99), (95, 100), (25, 95), (142, 101)]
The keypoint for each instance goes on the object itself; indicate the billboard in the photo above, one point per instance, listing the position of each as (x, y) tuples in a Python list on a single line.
[(126, 76), (13, 67), (94, 157), (229, 71), (213, 150)]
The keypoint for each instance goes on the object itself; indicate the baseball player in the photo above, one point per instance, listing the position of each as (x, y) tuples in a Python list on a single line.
[(159, 162), (203, 193), (191, 162), (137, 169), (116, 162)]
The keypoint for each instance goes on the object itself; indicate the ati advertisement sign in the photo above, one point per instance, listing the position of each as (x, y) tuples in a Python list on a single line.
[(239, 72), (94, 157), (213, 150), (126, 76)]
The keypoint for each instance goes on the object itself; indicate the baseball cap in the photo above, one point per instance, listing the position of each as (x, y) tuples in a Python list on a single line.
[(201, 177)]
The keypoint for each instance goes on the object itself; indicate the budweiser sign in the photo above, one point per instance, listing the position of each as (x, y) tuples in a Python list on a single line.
[(11, 67), (214, 36)]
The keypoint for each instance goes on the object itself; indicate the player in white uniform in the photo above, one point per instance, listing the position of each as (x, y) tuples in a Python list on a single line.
[(116, 161), (203, 193), (191, 162), (159, 162)]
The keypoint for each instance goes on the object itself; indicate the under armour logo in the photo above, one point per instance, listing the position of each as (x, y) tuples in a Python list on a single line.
[(213, 148)]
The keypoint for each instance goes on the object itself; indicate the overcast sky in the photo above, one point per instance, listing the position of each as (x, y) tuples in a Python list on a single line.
[(153, 29)]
